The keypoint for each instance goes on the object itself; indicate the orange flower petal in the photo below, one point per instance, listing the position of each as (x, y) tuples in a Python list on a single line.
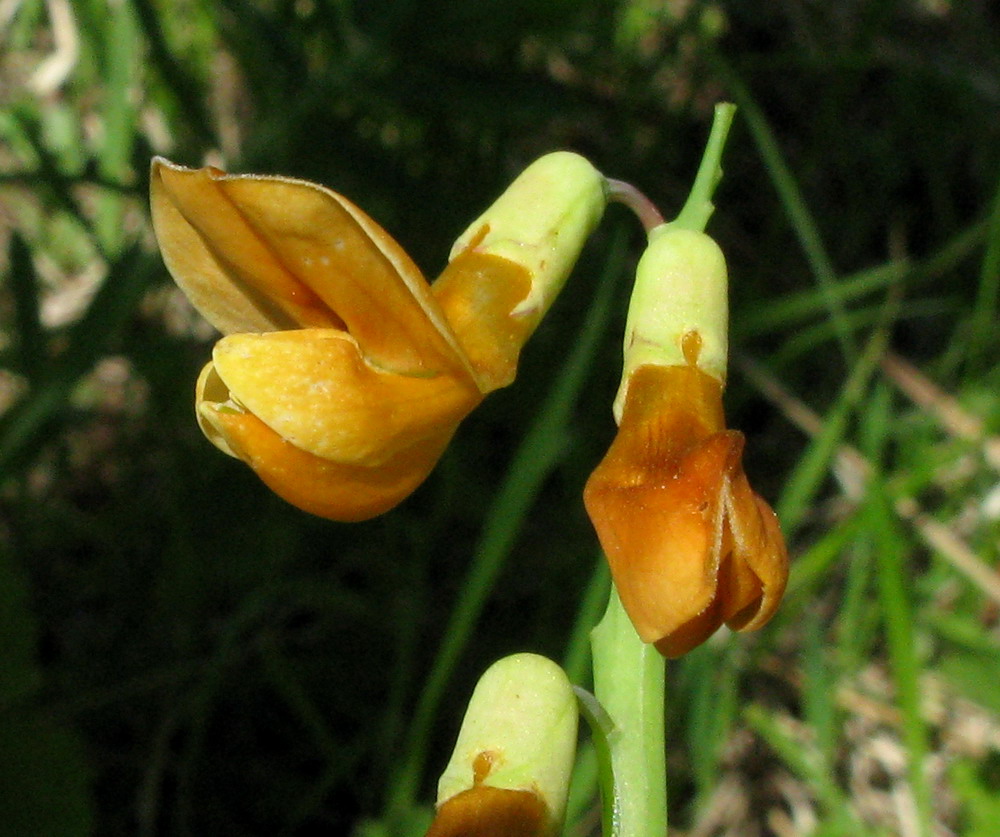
[(478, 293), (313, 389), (260, 253), (483, 811), (230, 275), (689, 543), (663, 538), (758, 548), (346, 493)]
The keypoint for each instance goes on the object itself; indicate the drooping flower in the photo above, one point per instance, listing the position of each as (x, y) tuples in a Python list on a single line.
[(509, 773), (690, 545), (342, 374)]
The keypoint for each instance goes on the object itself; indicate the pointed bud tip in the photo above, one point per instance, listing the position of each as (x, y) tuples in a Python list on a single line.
[(541, 222)]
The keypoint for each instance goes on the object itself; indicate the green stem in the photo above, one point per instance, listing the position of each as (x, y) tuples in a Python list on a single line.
[(629, 678), (698, 208), (645, 210)]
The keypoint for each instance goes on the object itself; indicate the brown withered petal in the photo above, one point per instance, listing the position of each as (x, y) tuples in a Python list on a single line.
[(484, 811), (689, 544)]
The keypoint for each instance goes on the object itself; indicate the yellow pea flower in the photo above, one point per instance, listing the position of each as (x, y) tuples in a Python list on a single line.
[(690, 545), (343, 374)]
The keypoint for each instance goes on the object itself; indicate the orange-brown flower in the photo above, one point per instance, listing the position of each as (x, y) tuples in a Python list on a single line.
[(690, 545), (482, 811), (342, 374)]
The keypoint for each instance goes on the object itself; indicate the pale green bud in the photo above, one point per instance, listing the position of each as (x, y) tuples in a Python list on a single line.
[(679, 312), (541, 222), (519, 734)]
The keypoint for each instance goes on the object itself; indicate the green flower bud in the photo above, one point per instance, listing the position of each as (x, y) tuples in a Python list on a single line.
[(679, 313), (541, 222), (509, 773)]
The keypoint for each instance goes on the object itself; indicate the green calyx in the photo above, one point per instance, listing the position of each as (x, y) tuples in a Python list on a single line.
[(679, 312), (519, 733), (541, 223), (680, 290)]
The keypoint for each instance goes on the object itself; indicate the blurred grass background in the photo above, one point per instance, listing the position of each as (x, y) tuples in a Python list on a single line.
[(183, 654)]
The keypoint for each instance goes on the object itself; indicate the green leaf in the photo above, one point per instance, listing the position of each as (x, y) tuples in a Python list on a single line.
[(30, 339)]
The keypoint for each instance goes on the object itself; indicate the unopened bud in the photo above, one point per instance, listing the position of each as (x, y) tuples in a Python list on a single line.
[(509, 773), (541, 222), (679, 313)]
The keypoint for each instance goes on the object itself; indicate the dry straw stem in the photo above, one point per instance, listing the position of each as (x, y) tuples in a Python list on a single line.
[(854, 471), (52, 73), (927, 395)]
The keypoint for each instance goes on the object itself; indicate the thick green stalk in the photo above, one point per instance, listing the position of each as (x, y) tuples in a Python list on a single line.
[(629, 678)]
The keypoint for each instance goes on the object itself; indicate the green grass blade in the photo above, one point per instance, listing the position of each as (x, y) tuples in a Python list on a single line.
[(51, 177), (576, 662), (795, 205), (178, 82), (22, 426), (538, 453), (804, 482), (857, 621), (29, 335), (893, 587), (819, 688), (708, 694), (121, 45), (805, 761), (813, 565), (982, 330), (795, 308)]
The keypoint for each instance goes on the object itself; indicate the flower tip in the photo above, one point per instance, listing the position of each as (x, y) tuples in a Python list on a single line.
[(158, 162), (540, 223)]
